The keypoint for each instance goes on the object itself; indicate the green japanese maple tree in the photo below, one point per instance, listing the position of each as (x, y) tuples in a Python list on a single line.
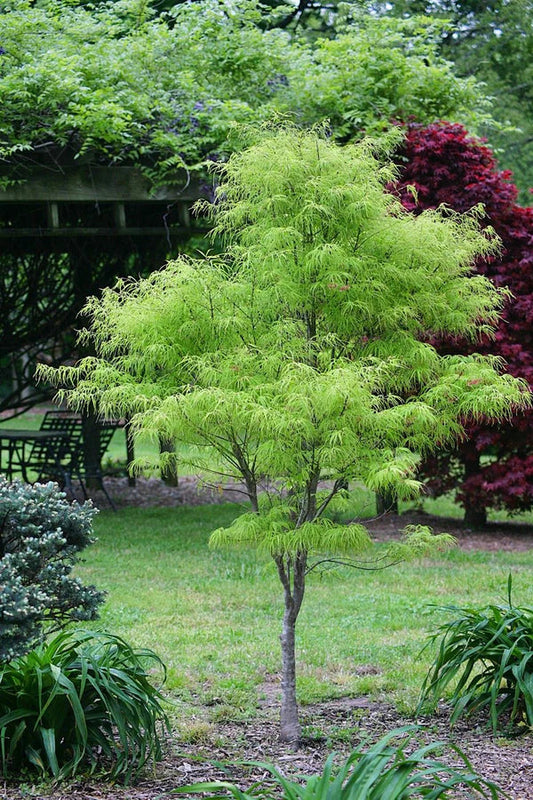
[(296, 359)]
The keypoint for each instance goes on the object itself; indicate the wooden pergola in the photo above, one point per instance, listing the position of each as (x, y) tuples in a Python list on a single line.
[(94, 201), (65, 234)]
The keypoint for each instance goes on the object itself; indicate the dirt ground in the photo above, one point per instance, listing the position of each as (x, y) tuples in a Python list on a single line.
[(507, 762)]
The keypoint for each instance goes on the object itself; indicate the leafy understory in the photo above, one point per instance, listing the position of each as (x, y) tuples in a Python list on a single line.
[(81, 702)]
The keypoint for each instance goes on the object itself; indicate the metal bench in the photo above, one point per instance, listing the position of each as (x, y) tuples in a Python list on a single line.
[(64, 458)]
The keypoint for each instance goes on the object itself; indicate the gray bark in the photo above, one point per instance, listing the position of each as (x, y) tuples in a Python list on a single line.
[(248, 475), (291, 571)]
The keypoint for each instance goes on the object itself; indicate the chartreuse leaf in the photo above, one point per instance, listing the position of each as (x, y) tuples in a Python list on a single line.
[(295, 358)]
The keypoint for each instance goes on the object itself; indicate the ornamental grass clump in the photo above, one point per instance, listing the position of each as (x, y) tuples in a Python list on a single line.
[(489, 652), (389, 770), (81, 702)]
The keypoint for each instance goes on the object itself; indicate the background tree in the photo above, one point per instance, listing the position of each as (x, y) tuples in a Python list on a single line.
[(491, 40), (114, 84), (288, 357), (120, 84), (493, 466)]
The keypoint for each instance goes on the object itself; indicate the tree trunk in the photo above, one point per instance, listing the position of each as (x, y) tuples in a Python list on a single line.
[(169, 473), (475, 513), (386, 503), (291, 570), (475, 517), (290, 729)]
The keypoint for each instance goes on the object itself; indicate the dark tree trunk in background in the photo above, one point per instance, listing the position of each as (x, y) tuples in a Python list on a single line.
[(169, 473), (475, 517), (91, 451), (386, 503), (475, 513)]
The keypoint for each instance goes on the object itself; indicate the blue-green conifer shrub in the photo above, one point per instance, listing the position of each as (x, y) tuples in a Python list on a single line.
[(41, 535)]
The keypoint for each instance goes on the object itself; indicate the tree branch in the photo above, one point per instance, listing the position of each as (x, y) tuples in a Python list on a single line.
[(336, 489), (354, 564)]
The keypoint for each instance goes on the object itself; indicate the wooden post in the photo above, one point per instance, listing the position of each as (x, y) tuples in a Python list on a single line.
[(52, 213), (183, 215), (119, 211)]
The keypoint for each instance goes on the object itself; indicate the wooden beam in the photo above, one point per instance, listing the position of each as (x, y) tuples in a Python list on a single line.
[(96, 184), (72, 233)]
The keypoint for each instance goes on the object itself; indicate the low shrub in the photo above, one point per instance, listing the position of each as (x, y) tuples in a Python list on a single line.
[(41, 536), (489, 653), (81, 701), (388, 769)]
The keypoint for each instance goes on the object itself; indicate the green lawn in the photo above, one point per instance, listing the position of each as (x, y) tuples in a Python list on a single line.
[(214, 616)]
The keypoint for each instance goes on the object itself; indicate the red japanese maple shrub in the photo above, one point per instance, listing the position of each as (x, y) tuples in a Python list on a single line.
[(493, 466)]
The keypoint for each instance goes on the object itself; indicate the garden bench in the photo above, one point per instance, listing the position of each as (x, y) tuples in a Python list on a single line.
[(63, 458)]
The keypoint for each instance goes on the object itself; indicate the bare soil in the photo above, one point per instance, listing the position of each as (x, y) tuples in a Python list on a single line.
[(336, 725)]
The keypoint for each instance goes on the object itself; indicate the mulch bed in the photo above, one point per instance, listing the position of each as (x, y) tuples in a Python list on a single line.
[(508, 762)]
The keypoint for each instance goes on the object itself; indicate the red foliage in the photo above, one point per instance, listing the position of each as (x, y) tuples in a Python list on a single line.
[(447, 165)]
